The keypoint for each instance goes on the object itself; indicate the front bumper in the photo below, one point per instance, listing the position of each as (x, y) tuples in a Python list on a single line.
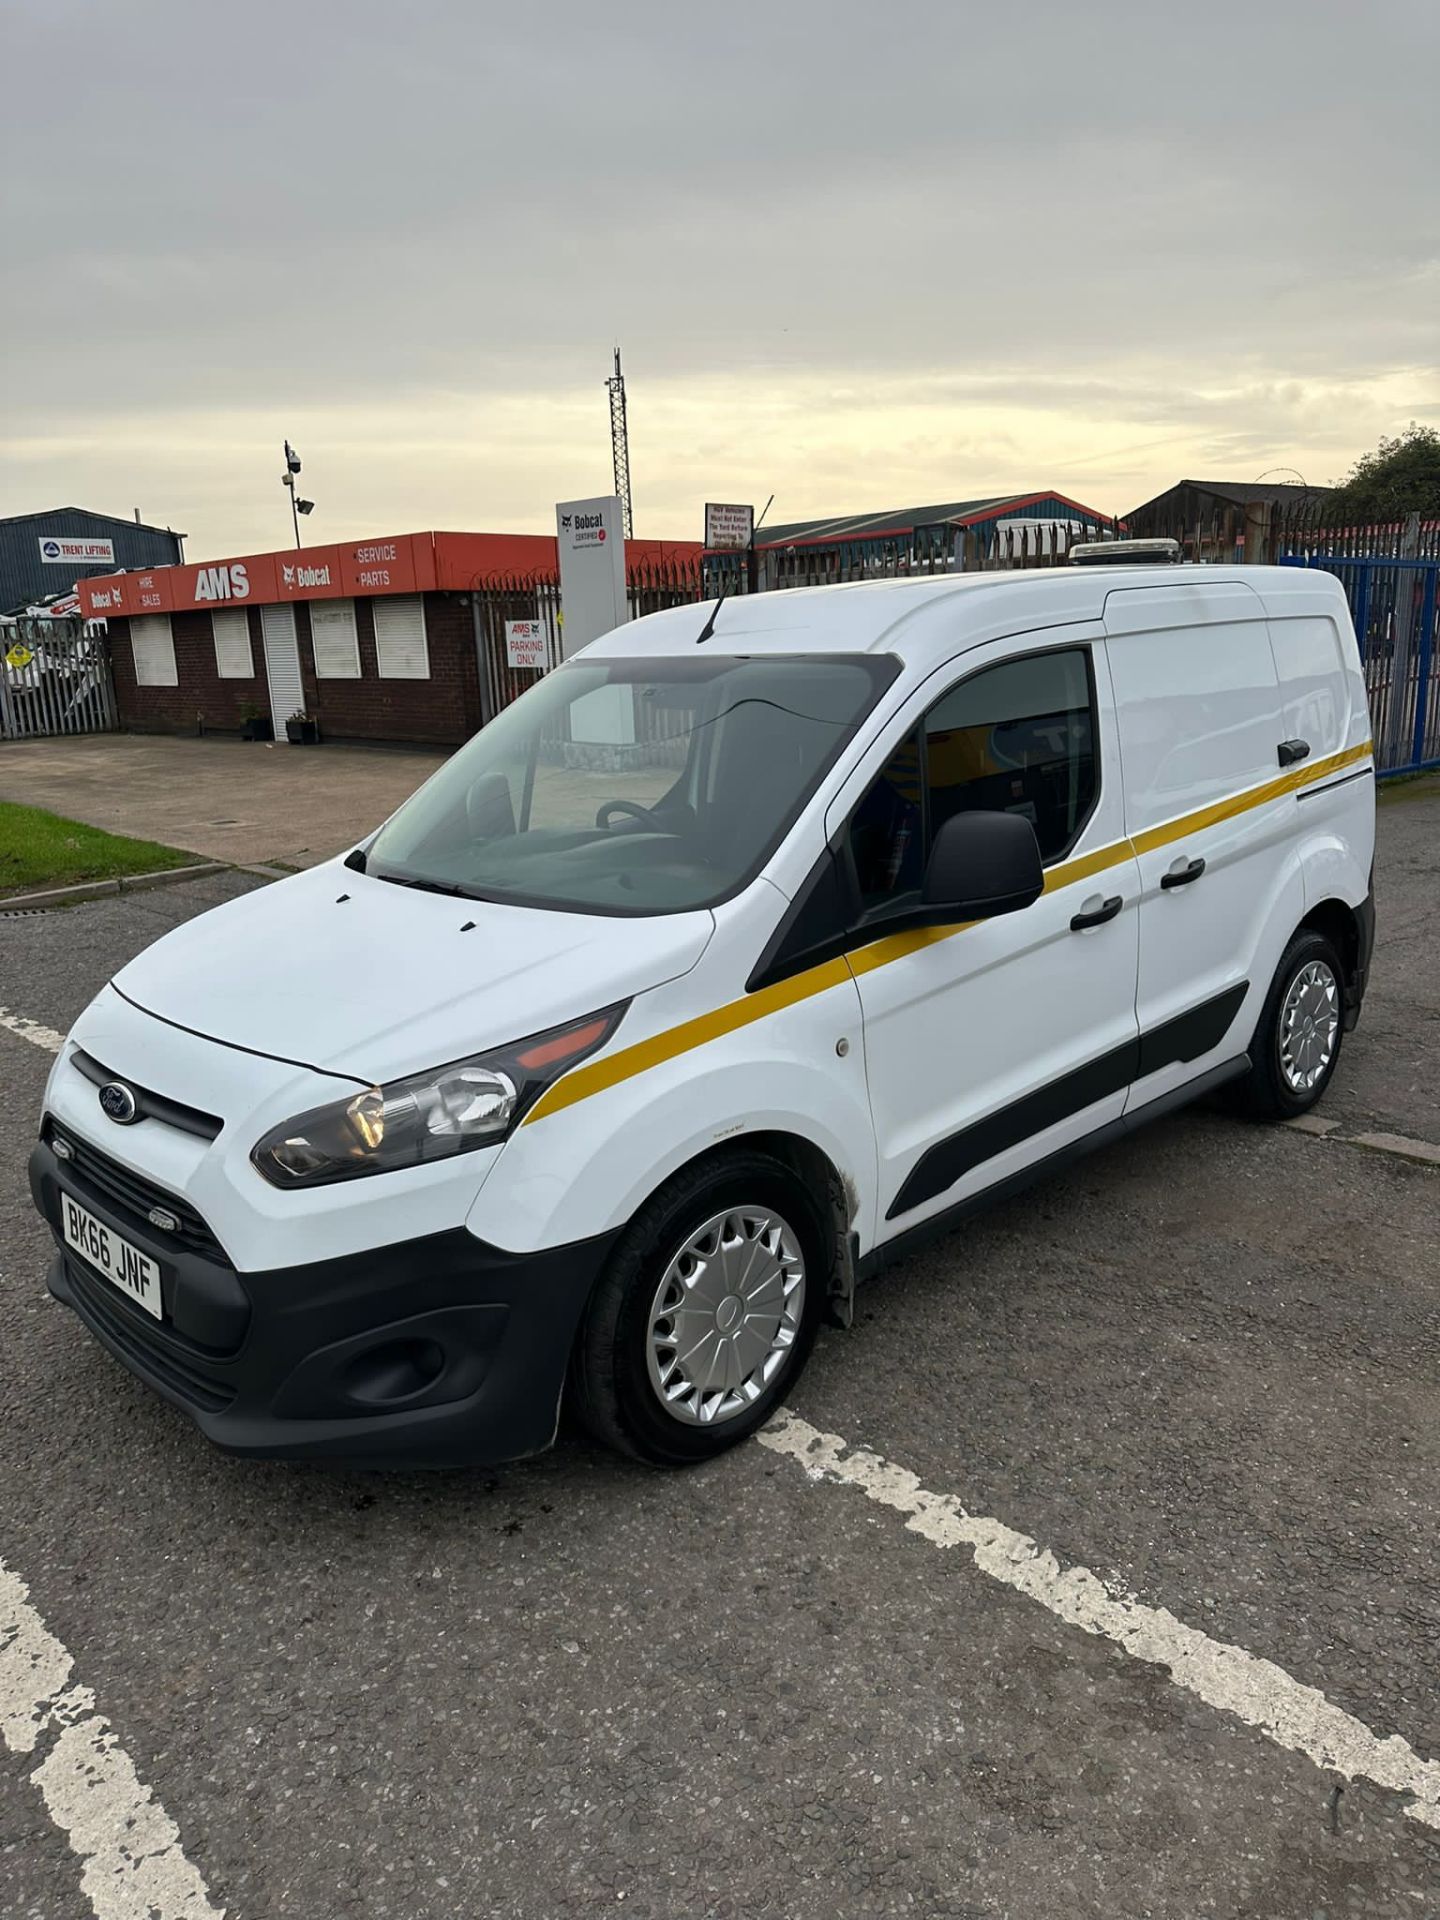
[(441, 1351)]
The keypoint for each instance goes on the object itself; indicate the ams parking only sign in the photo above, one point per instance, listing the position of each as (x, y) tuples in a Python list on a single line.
[(525, 643)]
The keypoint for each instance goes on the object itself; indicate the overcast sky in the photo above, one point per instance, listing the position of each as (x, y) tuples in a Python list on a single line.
[(856, 256)]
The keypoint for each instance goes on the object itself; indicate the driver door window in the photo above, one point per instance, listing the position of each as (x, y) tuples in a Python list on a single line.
[(1018, 737)]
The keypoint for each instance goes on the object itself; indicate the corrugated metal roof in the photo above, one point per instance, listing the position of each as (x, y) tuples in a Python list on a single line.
[(902, 520), (1241, 493), (873, 526), (85, 513)]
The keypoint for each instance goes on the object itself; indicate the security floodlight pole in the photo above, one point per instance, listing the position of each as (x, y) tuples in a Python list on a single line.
[(287, 479)]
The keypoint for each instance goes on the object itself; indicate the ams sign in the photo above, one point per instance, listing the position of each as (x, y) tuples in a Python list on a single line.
[(230, 582)]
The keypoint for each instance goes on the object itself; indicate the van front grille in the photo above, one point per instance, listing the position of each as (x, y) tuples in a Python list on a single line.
[(149, 1104), (132, 1195)]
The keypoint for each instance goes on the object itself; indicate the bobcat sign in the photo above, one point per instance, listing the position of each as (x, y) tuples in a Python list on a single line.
[(591, 538)]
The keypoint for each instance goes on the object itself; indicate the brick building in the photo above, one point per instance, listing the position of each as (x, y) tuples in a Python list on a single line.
[(390, 639)]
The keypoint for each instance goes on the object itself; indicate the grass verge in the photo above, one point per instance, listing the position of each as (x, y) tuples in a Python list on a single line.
[(39, 849)]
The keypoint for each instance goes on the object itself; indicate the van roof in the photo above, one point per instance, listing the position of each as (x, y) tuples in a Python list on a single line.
[(930, 618)]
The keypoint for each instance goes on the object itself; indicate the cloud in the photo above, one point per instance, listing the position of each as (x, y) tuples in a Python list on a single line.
[(861, 267), (500, 460)]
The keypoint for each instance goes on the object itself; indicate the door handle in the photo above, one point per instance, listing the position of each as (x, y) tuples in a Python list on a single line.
[(1184, 876), (1289, 751), (1107, 911)]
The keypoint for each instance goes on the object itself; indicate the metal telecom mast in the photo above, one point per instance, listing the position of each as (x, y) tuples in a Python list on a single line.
[(620, 444)]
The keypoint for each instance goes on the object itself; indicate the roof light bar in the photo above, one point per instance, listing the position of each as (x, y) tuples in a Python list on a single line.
[(1125, 553)]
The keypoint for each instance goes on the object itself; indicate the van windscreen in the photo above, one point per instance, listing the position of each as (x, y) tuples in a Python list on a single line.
[(632, 786)]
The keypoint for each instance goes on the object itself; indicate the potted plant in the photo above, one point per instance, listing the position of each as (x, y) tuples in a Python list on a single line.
[(254, 724), (301, 730)]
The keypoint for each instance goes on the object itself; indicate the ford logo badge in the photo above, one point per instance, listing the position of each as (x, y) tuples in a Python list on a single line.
[(118, 1103)]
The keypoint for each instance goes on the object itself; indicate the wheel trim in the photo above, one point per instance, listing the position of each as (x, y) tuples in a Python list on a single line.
[(1309, 1026), (725, 1315)]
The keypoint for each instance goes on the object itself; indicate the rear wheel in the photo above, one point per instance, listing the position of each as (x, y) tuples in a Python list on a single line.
[(706, 1312), (1298, 1038)]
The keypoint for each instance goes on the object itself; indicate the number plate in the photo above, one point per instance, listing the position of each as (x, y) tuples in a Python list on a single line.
[(124, 1266)]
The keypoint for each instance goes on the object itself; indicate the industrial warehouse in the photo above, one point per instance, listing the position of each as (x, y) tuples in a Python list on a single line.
[(43, 555)]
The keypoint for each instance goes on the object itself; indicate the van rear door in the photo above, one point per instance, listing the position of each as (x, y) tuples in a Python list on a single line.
[(1321, 686), (1201, 721)]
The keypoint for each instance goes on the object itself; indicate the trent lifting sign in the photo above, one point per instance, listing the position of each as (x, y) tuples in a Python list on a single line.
[(56, 550)]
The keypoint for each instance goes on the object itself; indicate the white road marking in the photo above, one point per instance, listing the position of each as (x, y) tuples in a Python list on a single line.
[(134, 1868), (1256, 1691), (32, 1031), (132, 1863)]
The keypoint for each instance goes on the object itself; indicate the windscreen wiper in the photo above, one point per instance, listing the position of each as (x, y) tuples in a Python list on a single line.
[(427, 886)]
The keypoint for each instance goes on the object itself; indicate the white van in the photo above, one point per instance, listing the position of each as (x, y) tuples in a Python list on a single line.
[(744, 950)]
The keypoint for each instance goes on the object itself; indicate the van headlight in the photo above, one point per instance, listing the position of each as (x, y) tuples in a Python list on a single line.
[(451, 1109)]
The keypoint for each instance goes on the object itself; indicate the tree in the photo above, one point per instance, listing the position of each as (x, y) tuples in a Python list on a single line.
[(1401, 476)]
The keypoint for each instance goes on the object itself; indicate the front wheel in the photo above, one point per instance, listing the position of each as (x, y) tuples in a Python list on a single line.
[(1297, 1041), (706, 1312)]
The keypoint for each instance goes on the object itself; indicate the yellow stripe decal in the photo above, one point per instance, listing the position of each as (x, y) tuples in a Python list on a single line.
[(1238, 803), (612, 1068)]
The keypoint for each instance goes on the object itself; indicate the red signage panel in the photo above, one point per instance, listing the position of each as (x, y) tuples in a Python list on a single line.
[(393, 563), (309, 573), (467, 560), (399, 563), (387, 565), (180, 589)]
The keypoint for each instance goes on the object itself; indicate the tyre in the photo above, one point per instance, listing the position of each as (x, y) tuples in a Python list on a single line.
[(1301, 1027), (706, 1312)]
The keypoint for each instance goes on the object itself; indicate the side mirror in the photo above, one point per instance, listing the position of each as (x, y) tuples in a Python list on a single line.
[(982, 864)]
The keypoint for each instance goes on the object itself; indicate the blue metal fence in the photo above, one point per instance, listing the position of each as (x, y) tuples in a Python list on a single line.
[(1394, 606)]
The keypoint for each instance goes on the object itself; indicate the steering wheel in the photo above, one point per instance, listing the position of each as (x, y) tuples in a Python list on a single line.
[(632, 807)]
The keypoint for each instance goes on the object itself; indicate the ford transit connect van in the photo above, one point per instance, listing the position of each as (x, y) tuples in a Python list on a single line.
[(748, 947)]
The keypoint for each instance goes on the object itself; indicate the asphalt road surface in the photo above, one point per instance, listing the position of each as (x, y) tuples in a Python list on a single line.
[(1198, 1375)]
